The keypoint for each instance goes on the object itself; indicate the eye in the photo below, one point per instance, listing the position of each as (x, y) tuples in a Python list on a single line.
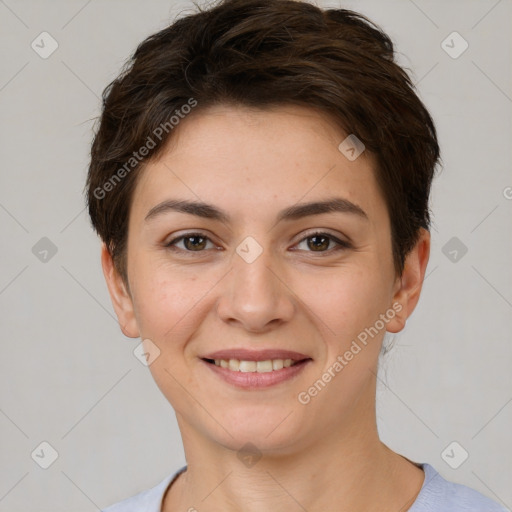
[(192, 242), (320, 242)]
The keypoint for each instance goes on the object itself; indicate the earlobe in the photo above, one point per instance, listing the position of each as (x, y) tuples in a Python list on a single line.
[(409, 284), (121, 299)]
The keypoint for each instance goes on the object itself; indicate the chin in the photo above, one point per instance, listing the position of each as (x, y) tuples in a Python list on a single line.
[(272, 430)]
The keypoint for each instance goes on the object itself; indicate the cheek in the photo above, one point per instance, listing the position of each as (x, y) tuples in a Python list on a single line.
[(170, 307), (167, 304), (171, 303), (347, 309), (344, 301)]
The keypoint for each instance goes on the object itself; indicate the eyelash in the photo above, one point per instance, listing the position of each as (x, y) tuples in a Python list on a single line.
[(341, 244)]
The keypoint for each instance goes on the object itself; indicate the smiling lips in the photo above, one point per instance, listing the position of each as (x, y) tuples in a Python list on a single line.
[(260, 361), (245, 366), (256, 368)]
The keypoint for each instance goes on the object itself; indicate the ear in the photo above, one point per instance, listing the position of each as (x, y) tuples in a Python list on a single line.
[(121, 299), (408, 286)]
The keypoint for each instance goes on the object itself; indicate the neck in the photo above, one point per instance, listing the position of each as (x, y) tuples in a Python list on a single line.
[(347, 467)]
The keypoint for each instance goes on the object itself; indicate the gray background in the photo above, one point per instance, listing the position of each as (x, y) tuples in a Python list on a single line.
[(69, 376)]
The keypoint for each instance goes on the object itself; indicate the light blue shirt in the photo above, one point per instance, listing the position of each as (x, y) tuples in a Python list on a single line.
[(436, 495)]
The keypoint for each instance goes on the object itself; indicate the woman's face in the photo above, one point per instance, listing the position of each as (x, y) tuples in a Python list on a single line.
[(255, 277)]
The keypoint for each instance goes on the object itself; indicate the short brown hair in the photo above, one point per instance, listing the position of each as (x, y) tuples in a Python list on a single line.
[(263, 53)]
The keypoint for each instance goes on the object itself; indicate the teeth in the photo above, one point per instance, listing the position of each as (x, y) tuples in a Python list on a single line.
[(277, 364), (243, 366), (269, 365)]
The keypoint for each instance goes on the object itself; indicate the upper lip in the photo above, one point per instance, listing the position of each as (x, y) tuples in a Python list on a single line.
[(243, 354)]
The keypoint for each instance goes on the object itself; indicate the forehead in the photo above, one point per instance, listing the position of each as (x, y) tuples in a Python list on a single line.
[(242, 158)]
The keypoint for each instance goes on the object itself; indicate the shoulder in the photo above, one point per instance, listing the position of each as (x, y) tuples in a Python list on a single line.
[(149, 500), (440, 495)]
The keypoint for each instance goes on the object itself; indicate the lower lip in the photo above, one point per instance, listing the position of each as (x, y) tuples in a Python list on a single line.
[(256, 380)]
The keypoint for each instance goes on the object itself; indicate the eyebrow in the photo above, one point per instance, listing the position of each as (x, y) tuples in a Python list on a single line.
[(209, 211)]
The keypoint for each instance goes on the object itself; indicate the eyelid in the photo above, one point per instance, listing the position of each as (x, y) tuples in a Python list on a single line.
[(340, 244), (171, 244)]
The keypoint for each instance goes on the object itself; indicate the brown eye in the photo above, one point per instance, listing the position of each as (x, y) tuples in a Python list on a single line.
[(318, 242), (191, 242), (321, 242), (194, 243)]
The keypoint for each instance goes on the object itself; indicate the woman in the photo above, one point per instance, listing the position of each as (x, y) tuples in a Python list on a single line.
[(260, 180)]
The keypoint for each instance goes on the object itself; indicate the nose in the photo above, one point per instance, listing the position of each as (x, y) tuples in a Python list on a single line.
[(255, 295)]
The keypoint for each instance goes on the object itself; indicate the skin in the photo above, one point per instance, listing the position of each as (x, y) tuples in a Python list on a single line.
[(252, 164)]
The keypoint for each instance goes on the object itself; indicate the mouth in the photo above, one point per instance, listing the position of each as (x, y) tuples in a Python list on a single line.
[(247, 366), (256, 369)]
